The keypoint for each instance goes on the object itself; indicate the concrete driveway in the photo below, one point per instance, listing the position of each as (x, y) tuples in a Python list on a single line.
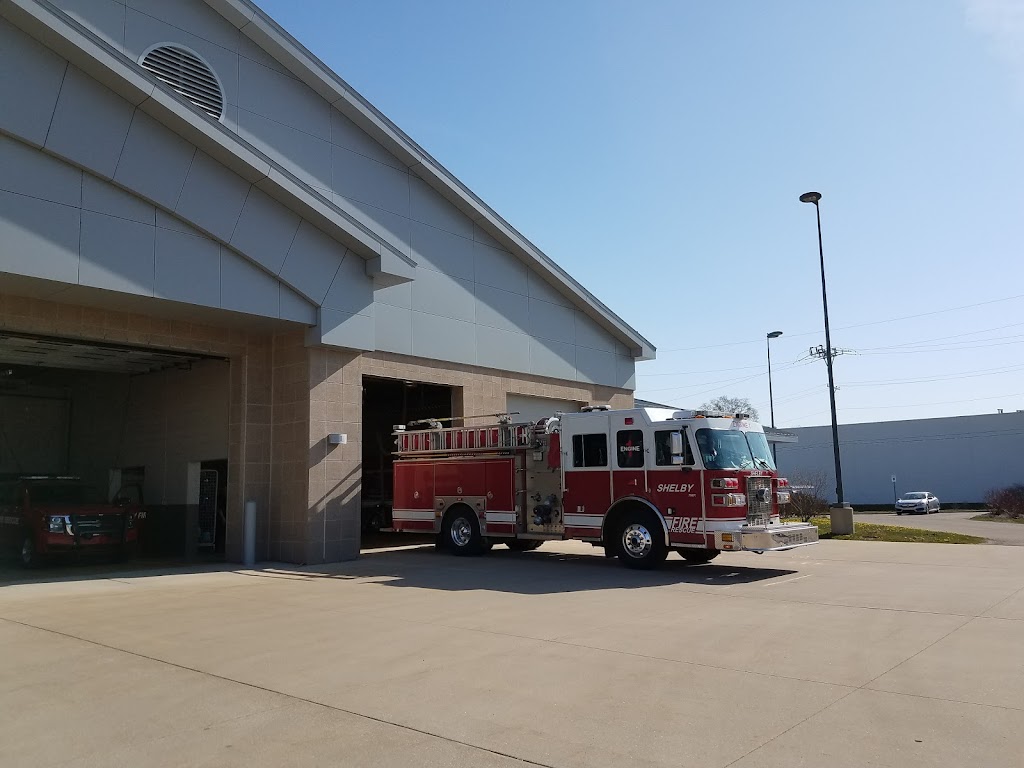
[(842, 654), (1011, 534)]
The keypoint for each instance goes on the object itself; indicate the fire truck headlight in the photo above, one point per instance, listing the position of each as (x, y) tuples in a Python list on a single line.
[(783, 497), (729, 500)]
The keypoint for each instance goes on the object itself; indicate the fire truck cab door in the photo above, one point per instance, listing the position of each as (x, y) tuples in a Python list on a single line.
[(629, 474), (586, 481)]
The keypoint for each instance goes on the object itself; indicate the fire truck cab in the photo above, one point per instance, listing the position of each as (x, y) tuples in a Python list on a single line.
[(638, 482)]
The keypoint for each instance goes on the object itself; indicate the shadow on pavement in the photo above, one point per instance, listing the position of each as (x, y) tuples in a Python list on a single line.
[(421, 567), (527, 573), (96, 569)]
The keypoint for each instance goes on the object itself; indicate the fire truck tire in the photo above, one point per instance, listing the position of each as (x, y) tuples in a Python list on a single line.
[(28, 557), (641, 542), (522, 545), (698, 556), (460, 533)]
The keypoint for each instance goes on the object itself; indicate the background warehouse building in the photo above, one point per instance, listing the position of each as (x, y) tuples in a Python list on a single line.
[(214, 255), (958, 458)]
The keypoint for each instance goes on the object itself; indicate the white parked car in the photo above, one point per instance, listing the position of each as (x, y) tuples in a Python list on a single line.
[(917, 501)]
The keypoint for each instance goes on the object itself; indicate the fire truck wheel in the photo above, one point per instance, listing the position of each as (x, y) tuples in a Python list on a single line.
[(461, 532), (698, 556), (522, 545), (641, 541), (29, 558)]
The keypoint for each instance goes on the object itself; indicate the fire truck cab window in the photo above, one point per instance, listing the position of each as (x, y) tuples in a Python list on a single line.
[(590, 450), (663, 448), (630, 448)]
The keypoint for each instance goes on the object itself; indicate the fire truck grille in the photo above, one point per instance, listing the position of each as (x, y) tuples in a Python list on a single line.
[(759, 500), (111, 525)]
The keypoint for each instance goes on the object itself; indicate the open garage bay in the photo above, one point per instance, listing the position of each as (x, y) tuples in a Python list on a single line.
[(90, 428), (842, 654)]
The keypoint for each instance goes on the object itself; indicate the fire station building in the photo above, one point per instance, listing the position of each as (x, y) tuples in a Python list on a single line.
[(224, 276)]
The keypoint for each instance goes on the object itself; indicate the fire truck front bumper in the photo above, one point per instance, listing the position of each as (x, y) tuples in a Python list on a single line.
[(767, 538)]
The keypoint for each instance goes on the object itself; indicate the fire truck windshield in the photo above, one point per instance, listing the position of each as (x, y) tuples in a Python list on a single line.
[(732, 449), (63, 493)]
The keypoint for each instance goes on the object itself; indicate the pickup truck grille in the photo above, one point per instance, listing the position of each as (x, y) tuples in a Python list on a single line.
[(759, 500), (107, 525)]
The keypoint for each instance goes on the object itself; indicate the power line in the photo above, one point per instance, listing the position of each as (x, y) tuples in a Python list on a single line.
[(856, 325), (944, 348), (722, 383), (907, 439), (694, 373), (958, 336), (928, 380), (920, 405), (727, 382), (792, 396)]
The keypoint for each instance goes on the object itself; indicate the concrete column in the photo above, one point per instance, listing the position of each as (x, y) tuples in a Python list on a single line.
[(842, 520)]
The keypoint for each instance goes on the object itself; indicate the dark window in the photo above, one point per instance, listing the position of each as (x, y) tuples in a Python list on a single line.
[(590, 450), (663, 448), (9, 494), (59, 493), (629, 448)]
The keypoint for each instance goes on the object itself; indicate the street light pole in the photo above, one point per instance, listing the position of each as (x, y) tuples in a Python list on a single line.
[(814, 197), (771, 398)]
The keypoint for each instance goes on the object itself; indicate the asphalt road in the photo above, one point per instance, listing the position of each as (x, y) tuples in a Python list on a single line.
[(955, 522), (844, 654)]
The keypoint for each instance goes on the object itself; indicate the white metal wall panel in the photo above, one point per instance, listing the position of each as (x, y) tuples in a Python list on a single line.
[(533, 408)]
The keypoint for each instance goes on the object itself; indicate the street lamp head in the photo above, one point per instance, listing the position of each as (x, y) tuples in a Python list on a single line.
[(810, 197), (774, 334)]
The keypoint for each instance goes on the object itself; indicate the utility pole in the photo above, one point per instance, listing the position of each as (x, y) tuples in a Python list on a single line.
[(842, 514)]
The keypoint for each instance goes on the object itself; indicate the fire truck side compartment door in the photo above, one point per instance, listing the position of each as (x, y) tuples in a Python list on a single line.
[(414, 485)]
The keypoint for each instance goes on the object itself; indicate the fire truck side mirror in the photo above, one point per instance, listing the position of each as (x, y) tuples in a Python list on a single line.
[(675, 444)]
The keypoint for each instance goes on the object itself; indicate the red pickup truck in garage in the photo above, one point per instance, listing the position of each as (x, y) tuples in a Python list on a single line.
[(42, 516)]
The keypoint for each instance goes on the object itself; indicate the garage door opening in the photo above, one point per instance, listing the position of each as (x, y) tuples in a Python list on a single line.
[(102, 449), (387, 402)]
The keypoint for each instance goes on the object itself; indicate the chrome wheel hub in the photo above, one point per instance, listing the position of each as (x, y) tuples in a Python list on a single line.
[(462, 532), (636, 541)]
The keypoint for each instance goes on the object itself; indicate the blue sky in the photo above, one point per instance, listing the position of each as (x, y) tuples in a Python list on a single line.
[(656, 151)]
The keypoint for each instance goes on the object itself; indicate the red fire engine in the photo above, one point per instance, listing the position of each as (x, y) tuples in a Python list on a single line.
[(638, 482)]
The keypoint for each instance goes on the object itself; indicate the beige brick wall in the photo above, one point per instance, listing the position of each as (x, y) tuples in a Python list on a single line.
[(175, 417)]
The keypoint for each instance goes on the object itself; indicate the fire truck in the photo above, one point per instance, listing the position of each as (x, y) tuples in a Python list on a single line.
[(638, 482)]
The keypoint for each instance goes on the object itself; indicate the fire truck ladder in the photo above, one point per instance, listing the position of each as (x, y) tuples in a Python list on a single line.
[(494, 438)]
